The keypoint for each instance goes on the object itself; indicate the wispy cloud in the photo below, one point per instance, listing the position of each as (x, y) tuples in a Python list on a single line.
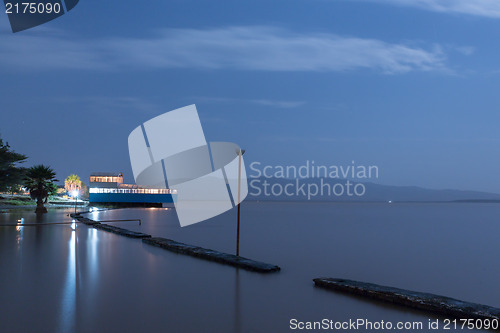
[(118, 102), (238, 48), (279, 104), (487, 8), (115, 105), (465, 50), (266, 102)]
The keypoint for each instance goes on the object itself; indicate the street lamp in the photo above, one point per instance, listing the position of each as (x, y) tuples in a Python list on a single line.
[(75, 195), (240, 153)]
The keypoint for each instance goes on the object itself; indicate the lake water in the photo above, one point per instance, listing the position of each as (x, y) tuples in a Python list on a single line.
[(63, 278)]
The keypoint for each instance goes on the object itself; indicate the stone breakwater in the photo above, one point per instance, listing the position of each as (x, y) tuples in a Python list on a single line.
[(181, 248), (220, 257), (423, 301)]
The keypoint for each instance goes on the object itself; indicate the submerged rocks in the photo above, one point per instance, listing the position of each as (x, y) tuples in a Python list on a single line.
[(121, 231), (424, 301), (195, 251), (207, 254)]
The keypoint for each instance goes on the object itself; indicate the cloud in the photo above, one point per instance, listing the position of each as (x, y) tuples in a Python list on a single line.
[(487, 8), (237, 48), (266, 102), (110, 103), (279, 104), (465, 50)]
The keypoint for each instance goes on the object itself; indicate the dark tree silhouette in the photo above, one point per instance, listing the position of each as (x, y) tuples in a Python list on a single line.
[(11, 175), (40, 182)]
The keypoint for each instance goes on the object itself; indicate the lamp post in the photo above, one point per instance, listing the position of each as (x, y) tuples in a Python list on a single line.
[(75, 195), (240, 153)]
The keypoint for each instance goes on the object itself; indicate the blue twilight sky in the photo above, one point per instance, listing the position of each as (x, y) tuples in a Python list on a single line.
[(409, 86)]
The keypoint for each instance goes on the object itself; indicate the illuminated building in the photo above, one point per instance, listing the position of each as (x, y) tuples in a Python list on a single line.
[(106, 187)]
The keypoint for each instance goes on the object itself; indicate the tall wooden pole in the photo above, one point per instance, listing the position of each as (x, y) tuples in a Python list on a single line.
[(239, 187)]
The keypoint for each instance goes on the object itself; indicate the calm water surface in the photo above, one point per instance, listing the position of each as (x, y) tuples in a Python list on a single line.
[(65, 278)]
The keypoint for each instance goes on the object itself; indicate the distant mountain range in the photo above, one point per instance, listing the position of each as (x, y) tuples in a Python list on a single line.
[(309, 189)]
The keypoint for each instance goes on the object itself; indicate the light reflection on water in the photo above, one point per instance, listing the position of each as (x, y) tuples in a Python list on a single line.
[(92, 250), (68, 302), (83, 279)]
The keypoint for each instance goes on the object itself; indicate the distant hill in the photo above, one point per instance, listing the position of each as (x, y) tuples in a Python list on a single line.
[(305, 190)]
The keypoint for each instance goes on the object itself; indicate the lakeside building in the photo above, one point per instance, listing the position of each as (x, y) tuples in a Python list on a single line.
[(106, 187)]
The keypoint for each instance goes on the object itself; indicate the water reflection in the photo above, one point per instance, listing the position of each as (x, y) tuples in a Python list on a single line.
[(40, 217), (19, 229), (19, 243), (68, 302), (39, 231), (95, 281), (237, 308), (92, 261)]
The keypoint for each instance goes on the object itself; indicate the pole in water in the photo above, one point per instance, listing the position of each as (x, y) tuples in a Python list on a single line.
[(75, 195), (240, 153)]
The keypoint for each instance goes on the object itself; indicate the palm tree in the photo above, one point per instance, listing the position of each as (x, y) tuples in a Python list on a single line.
[(72, 183), (40, 182)]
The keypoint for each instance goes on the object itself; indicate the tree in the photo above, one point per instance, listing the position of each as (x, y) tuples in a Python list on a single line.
[(85, 192), (72, 183), (11, 175), (40, 183)]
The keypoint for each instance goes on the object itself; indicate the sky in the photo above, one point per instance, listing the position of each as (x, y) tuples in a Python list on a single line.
[(408, 86)]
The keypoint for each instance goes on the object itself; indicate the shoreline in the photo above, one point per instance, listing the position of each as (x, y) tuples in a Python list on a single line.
[(25, 207)]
